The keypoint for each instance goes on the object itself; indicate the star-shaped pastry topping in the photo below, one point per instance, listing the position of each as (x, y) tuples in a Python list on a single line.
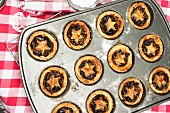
[(138, 15), (53, 81), (76, 35), (42, 46), (151, 49), (159, 80), (100, 104), (131, 92), (119, 59), (88, 69), (110, 25)]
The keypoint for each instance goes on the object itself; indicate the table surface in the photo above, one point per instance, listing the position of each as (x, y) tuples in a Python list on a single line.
[(12, 21)]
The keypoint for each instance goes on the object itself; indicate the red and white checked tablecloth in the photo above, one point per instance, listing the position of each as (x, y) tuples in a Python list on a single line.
[(12, 21)]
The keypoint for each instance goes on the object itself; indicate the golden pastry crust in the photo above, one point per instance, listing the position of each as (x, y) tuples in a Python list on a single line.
[(110, 24), (131, 91), (120, 58), (66, 107), (88, 69), (53, 81), (77, 35), (100, 101), (139, 15), (159, 80), (42, 45), (151, 47)]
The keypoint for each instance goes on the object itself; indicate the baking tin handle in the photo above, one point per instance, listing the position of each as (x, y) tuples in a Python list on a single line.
[(10, 48)]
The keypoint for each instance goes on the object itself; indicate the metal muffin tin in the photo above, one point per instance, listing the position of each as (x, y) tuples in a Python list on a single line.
[(66, 58)]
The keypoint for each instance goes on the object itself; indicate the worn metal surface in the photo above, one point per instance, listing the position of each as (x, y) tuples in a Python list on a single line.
[(66, 57)]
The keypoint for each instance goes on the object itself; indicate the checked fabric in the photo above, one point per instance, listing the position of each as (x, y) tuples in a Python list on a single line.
[(13, 19)]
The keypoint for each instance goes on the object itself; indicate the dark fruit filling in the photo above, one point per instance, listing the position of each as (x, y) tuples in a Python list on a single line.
[(53, 81), (88, 69), (76, 34), (65, 110), (139, 16), (99, 104), (41, 46), (150, 48), (160, 80), (109, 24), (131, 91), (120, 58)]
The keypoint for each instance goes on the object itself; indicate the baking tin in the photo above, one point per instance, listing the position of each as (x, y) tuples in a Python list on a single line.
[(66, 58)]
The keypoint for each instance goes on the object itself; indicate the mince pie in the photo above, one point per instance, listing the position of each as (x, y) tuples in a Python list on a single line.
[(110, 24), (53, 81), (139, 15), (120, 58), (42, 45), (131, 92), (159, 80), (88, 69), (151, 47), (77, 35), (67, 107), (100, 101)]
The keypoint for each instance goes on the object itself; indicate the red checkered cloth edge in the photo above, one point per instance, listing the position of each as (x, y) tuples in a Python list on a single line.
[(12, 21)]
